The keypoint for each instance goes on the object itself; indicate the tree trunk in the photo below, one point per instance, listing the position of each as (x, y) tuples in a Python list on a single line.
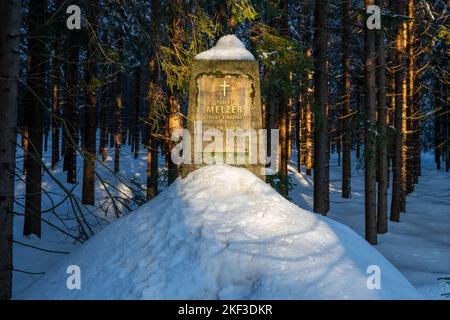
[(404, 128), (90, 125), (346, 112), (9, 69), (308, 94), (117, 122), (283, 108), (410, 103), (437, 124), (56, 112), (299, 135), (71, 105), (222, 17), (104, 107), (321, 135), (370, 186), (283, 149), (32, 222), (152, 142), (397, 165), (382, 130), (174, 123), (137, 96)]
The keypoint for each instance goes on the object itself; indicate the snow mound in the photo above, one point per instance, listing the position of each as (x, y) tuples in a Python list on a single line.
[(222, 233), (228, 47)]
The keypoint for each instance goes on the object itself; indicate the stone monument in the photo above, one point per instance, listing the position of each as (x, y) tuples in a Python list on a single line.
[(224, 98)]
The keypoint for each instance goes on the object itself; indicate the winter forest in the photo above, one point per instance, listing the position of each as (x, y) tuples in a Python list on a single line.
[(350, 98)]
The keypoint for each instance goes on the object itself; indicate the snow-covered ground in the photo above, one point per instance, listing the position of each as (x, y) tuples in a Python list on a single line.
[(222, 233), (419, 245), (259, 251)]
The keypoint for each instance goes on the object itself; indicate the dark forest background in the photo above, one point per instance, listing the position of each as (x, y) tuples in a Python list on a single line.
[(329, 84)]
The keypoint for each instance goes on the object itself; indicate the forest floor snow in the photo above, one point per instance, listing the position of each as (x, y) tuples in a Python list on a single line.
[(222, 233), (419, 245)]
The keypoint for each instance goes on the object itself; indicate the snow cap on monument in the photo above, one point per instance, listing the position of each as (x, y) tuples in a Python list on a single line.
[(228, 47)]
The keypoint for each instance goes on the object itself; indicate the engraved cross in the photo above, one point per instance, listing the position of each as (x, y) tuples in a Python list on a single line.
[(224, 86)]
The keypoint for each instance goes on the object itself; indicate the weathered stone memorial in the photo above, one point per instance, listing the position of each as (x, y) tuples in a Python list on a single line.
[(224, 116)]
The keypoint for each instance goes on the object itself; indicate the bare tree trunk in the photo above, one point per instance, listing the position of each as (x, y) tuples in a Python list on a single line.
[(32, 222), (270, 118), (152, 142), (174, 123), (299, 135), (71, 105), (308, 94), (222, 17), (321, 135), (346, 114), (370, 185), (90, 128), (283, 150), (137, 96), (437, 125), (9, 69), (290, 125), (309, 148), (283, 108), (397, 190), (404, 128), (104, 106), (55, 126), (447, 123), (117, 122), (382, 129), (410, 151), (25, 142)]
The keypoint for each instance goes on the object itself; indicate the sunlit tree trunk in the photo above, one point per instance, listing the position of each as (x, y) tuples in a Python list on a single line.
[(404, 126), (398, 161), (174, 123), (117, 122), (281, 24), (410, 148), (299, 135), (308, 94)]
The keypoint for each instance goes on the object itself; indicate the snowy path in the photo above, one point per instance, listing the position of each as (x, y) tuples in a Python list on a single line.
[(419, 246)]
